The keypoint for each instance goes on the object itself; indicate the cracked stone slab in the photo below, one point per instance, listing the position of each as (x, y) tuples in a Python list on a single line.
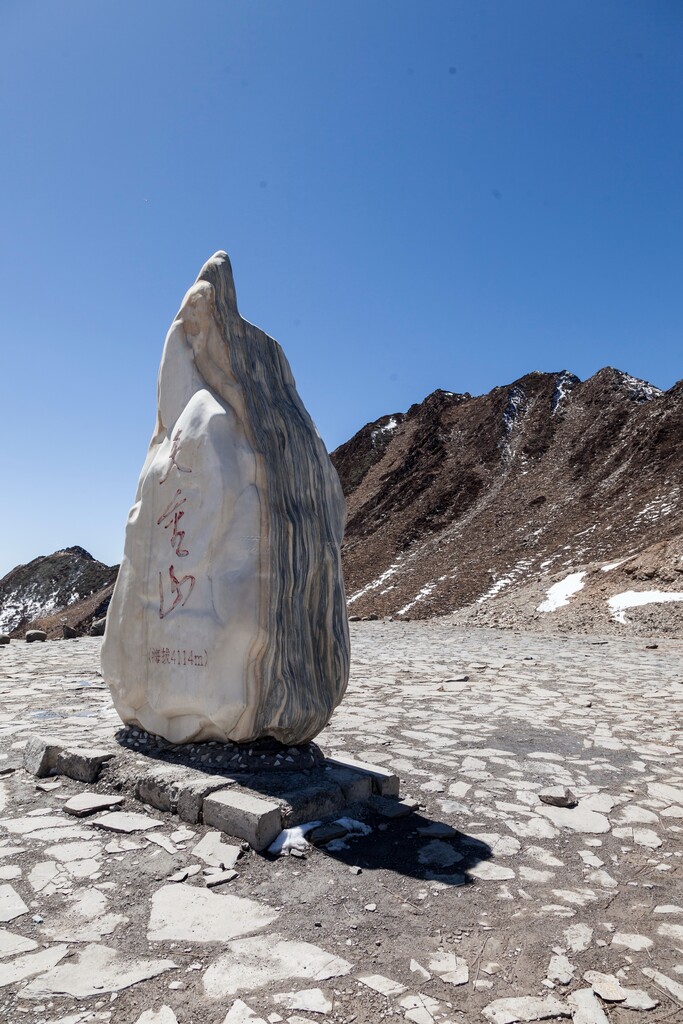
[(378, 983), (94, 970), (189, 914), (30, 964), (11, 944), (125, 822), (312, 1000), (213, 851), (578, 819), (253, 963), (524, 1008), (585, 1007), (11, 904), (88, 803)]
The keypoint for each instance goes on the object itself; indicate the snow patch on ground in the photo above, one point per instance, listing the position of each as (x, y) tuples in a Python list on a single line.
[(505, 581), (635, 598), (662, 505), (613, 565), (375, 584), (558, 595), (421, 594)]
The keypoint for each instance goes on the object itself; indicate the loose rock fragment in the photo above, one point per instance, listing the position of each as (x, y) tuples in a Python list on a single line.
[(606, 986), (450, 968), (524, 1008), (312, 1000), (628, 940), (586, 1008), (213, 851), (558, 796), (164, 1015), (240, 1013), (126, 822), (94, 970), (87, 803), (672, 987), (30, 964), (220, 878), (251, 963), (560, 969)]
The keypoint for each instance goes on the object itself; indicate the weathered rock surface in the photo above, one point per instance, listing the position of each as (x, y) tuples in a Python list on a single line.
[(228, 620)]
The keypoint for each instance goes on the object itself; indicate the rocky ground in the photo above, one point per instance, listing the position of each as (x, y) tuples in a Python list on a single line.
[(487, 901)]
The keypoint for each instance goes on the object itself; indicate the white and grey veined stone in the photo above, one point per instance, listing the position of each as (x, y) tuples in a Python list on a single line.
[(228, 621)]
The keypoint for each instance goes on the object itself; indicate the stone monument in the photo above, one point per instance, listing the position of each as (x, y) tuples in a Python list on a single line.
[(228, 621)]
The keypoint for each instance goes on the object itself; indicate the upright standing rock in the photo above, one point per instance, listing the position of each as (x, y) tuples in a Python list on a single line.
[(228, 620)]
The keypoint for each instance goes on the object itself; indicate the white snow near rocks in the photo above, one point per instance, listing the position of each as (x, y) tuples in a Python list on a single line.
[(291, 839), (388, 428), (375, 584), (558, 595), (499, 584), (636, 598)]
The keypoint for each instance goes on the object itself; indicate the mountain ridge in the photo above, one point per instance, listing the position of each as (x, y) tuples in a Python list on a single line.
[(467, 495)]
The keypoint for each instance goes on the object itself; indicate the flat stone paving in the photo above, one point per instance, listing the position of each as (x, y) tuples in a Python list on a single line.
[(486, 904)]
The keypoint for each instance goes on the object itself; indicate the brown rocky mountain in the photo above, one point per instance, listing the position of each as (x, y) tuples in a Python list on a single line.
[(67, 587), (478, 506), (463, 500)]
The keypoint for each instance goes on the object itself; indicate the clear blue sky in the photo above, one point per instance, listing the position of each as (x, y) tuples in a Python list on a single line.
[(414, 195)]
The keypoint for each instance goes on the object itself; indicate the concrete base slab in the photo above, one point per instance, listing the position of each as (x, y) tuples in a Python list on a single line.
[(252, 806)]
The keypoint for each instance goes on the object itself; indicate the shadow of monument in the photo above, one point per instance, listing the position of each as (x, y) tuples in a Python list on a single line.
[(412, 846), (415, 846)]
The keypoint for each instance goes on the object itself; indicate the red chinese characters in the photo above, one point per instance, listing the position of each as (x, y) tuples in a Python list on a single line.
[(180, 588)]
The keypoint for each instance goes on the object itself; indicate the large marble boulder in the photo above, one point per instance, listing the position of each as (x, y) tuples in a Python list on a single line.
[(228, 620)]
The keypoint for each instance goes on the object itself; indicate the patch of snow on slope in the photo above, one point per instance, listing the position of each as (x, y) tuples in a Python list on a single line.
[(27, 604), (386, 429), (640, 390), (635, 598), (421, 594), (613, 565), (662, 505), (565, 382), (504, 581), (516, 401), (374, 584), (558, 595)]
